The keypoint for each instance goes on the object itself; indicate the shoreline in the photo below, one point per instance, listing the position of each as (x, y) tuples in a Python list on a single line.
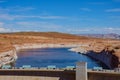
[(11, 55), (79, 50)]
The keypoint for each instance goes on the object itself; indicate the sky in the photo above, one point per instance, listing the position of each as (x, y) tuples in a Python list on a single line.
[(67, 16)]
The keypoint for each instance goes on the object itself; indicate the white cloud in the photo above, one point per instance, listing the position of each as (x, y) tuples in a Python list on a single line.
[(14, 17), (97, 3), (113, 10), (40, 17), (34, 26), (38, 25), (4, 11), (15, 9), (118, 17), (78, 30), (6, 17), (85, 9), (5, 14), (2, 29), (109, 28), (20, 9), (112, 29), (1, 24)]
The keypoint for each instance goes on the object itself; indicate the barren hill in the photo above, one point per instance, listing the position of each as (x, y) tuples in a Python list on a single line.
[(9, 39), (47, 34)]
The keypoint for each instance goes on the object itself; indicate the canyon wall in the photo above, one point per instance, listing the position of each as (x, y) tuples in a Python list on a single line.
[(8, 57), (108, 60)]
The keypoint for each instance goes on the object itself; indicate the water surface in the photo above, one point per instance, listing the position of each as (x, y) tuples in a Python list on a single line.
[(60, 57)]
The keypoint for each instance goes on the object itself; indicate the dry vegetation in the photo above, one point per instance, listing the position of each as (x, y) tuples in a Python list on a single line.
[(7, 40)]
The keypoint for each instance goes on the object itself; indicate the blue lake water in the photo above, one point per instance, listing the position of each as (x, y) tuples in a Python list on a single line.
[(60, 57)]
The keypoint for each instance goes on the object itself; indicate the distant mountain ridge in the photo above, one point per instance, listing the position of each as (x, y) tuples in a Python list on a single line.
[(110, 35)]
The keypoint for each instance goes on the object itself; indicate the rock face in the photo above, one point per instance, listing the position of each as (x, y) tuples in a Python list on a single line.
[(108, 54), (8, 57), (106, 57)]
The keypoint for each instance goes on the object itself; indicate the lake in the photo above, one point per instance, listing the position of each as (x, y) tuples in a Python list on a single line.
[(61, 57)]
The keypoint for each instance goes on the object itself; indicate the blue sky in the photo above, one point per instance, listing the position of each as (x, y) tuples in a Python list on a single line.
[(69, 16)]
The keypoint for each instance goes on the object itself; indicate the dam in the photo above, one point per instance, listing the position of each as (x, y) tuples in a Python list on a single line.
[(57, 74)]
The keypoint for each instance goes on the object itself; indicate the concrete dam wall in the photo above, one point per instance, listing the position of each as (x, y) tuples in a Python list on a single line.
[(54, 75), (36, 75)]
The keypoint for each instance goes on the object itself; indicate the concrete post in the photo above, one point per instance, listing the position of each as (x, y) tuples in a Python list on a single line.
[(81, 71)]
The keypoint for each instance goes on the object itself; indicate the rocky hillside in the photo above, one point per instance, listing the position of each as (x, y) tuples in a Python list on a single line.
[(7, 40)]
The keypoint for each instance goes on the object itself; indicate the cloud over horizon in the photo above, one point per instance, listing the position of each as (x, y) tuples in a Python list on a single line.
[(94, 30)]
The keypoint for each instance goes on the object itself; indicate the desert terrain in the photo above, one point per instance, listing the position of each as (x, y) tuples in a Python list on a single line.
[(9, 41)]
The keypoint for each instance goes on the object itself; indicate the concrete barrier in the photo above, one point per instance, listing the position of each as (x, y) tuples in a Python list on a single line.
[(36, 74)]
